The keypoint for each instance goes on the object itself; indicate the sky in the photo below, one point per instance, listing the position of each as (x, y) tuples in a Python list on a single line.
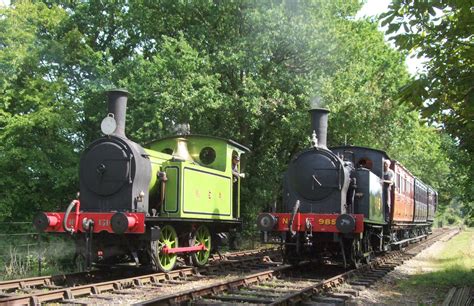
[(376, 7), (370, 8), (373, 7)]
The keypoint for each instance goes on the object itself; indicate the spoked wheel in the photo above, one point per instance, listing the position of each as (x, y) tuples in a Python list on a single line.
[(201, 236), (368, 258), (169, 238), (356, 253)]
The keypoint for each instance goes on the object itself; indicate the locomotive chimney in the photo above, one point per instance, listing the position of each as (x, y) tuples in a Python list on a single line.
[(319, 124), (117, 105)]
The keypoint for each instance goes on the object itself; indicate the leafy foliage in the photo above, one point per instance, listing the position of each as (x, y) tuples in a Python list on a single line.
[(440, 31), (244, 70), (38, 111)]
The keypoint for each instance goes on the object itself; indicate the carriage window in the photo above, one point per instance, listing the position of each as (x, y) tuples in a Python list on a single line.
[(207, 155), (167, 151)]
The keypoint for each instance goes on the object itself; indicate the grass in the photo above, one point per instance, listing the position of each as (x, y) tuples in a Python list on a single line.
[(453, 266), (56, 259)]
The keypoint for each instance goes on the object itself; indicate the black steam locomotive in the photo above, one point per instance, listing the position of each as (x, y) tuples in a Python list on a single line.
[(337, 204)]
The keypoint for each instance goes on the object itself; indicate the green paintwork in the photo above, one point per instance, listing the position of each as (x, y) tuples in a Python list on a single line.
[(172, 189), (369, 198), (157, 159), (210, 196), (193, 189), (375, 201), (195, 144)]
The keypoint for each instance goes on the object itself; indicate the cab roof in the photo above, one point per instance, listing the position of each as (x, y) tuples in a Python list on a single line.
[(187, 136), (361, 148)]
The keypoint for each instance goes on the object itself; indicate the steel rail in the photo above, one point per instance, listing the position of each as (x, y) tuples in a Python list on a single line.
[(216, 288), (26, 282), (71, 292), (53, 280), (390, 260), (49, 281), (118, 284), (387, 262)]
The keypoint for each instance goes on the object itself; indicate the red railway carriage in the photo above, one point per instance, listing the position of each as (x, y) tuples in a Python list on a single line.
[(432, 203), (421, 201), (402, 194)]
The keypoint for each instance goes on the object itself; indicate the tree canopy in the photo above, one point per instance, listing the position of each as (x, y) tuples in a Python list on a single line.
[(441, 31), (242, 69)]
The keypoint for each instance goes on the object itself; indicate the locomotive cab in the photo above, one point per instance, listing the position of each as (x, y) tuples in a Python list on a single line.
[(368, 195), (201, 166)]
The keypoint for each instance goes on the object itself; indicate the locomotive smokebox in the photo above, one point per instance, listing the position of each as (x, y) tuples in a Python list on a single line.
[(319, 124), (117, 105)]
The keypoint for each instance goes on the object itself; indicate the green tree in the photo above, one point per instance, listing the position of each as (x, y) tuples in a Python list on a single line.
[(40, 69), (254, 69), (176, 85), (243, 69), (440, 31), (362, 94)]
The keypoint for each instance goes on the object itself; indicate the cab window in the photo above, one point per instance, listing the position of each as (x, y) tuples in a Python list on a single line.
[(365, 163), (207, 155)]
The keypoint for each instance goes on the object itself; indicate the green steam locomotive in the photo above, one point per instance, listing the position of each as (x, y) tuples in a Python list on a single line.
[(177, 196)]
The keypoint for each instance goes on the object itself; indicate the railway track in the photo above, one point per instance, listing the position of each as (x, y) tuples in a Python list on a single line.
[(50, 288), (239, 278), (276, 287)]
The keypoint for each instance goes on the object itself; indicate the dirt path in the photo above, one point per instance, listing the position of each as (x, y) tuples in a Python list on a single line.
[(387, 292)]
